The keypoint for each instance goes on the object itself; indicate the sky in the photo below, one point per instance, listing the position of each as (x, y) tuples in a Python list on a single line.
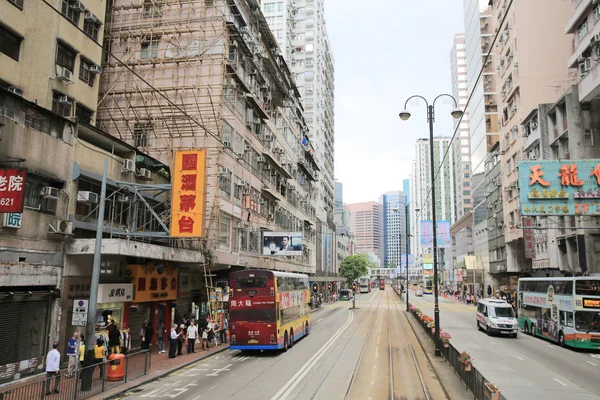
[(385, 51)]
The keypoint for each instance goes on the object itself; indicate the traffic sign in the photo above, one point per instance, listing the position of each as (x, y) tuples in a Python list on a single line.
[(80, 312)]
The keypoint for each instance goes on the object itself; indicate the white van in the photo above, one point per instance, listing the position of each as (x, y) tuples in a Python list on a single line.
[(496, 316)]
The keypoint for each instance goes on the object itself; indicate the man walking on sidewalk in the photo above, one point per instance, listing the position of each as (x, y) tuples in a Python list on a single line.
[(72, 354), (192, 334), (53, 368)]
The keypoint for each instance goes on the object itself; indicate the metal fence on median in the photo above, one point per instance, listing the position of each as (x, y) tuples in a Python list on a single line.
[(105, 376), (472, 378)]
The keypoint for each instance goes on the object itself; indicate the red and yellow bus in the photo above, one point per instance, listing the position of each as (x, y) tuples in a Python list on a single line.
[(268, 310)]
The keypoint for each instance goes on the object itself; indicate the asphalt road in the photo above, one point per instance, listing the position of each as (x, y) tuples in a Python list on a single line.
[(347, 353), (523, 368)]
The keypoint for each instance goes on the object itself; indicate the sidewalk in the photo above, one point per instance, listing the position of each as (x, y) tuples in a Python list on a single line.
[(161, 365)]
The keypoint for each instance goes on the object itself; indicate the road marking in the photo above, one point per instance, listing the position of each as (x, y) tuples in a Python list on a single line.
[(376, 353), (319, 320), (564, 384), (212, 387), (519, 358), (549, 345), (284, 392), (595, 356), (595, 365), (150, 394), (492, 342), (218, 370)]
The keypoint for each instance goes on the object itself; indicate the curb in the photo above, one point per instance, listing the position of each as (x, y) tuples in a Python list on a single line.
[(142, 382)]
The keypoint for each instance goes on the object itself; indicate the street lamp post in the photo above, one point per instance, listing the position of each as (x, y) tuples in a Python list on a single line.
[(405, 115)]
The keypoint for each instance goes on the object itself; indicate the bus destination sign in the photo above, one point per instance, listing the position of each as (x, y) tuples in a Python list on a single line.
[(591, 303)]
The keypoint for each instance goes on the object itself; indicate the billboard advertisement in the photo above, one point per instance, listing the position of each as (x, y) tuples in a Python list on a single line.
[(12, 190), (282, 244), (426, 233), (570, 187), (444, 239), (187, 195)]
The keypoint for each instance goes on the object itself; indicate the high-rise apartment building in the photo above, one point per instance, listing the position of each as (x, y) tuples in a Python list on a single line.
[(394, 227), (421, 185), (300, 30), (216, 81), (461, 144), (366, 225), (531, 39)]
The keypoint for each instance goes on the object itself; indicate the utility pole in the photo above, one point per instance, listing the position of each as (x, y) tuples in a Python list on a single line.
[(86, 382)]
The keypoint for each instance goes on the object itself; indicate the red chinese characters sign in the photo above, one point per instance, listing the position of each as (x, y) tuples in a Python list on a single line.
[(12, 190), (528, 236), (188, 208)]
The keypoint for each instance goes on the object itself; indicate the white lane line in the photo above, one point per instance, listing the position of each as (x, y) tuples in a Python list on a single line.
[(284, 392), (212, 387), (564, 384), (376, 353), (150, 394), (595, 365), (319, 320), (549, 345), (492, 342), (519, 358)]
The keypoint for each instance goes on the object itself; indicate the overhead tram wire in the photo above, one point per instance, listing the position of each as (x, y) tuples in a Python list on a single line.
[(159, 92), (457, 129)]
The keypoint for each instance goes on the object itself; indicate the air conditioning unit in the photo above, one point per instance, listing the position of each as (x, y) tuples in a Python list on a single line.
[(226, 143), (494, 215), (61, 227), (90, 16), (270, 216), (585, 66), (145, 174), (96, 69), (78, 6), (268, 138), (516, 65), (64, 74), (127, 166), (15, 90), (499, 224), (49, 192), (87, 197), (260, 159), (242, 183), (532, 157), (63, 99), (267, 167), (122, 198), (257, 120), (240, 155), (223, 170), (247, 148)]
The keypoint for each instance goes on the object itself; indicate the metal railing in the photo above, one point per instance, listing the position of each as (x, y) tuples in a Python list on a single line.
[(472, 378), (105, 376)]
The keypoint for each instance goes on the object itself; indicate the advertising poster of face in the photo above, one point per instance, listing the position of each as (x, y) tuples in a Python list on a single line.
[(282, 244)]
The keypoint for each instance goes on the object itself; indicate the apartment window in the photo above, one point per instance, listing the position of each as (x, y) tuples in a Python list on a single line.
[(466, 175), (309, 75), (83, 114), (582, 30), (69, 10), (466, 192), (588, 137), (10, 44), (62, 104), (33, 199), (150, 49), (227, 133), (152, 8), (309, 62), (65, 57), (237, 191), (91, 28), (225, 184), (309, 48), (224, 232), (85, 73), (309, 88), (597, 13), (142, 134)]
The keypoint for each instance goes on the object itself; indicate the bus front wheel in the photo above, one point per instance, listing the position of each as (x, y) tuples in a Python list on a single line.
[(285, 342), (561, 339)]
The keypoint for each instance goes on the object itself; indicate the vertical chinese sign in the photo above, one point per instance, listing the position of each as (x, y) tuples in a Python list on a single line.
[(188, 200), (12, 190), (528, 236)]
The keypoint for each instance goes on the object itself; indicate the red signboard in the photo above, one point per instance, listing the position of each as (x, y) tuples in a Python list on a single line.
[(12, 190), (528, 236)]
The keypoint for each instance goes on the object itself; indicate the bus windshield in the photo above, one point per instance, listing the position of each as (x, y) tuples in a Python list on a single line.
[(501, 312), (587, 321), (253, 282), (587, 287)]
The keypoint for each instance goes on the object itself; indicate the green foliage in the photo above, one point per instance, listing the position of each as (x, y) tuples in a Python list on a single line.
[(355, 266)]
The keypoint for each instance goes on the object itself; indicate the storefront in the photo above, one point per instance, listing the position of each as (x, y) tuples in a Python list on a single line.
[(112, 298), (154, 298), (192, 294)]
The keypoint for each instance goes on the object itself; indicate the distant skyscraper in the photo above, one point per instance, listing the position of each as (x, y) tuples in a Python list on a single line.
[(366, 224), (394, 227)]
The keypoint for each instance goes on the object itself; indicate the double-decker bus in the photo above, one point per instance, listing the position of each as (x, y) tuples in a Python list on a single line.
[(363, 285), (565, 310), (428, 286), (268, 310)]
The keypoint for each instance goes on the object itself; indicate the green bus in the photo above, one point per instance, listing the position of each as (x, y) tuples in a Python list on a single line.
[(564, 310)]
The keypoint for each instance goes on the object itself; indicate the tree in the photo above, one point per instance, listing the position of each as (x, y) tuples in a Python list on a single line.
[(353, 267)]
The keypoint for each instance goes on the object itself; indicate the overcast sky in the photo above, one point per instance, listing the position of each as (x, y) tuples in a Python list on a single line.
[(386, 51)]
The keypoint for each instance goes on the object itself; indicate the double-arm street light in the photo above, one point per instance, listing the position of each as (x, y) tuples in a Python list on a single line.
[(406, 236), (405, 115)]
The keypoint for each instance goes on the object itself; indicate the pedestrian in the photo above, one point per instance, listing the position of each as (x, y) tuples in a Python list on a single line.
[(192, 334), (224, 329), (205, 339), (114, 340), (173, 336), (53, 368), (81, 354), (72, 354), (211, 331), (161, 331), (217, 333), (147, 338), (142, 331), (100, 356), (180, 339)]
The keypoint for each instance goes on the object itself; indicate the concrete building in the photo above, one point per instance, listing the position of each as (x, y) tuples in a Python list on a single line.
[(49, 61), (233, 96), (461, 144), (522, 87), (495, 213), (366, 225), (420, 187), (394, 227)]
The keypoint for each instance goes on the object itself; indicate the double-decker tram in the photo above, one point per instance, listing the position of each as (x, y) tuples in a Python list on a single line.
[(268, 310)]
